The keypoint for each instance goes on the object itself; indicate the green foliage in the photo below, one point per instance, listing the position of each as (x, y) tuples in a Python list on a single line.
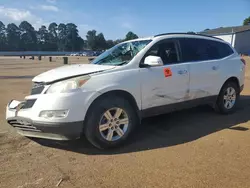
[(53, 37), (110, 44), (3, 37), (92, 40), (101, 42), (130, 35), (28, 36), (73, 40), (43, 38), (62, 34), (13, 37), (62, 37), (246, 21)]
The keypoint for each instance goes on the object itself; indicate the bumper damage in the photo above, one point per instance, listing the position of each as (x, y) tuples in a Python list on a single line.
[(48, 130)]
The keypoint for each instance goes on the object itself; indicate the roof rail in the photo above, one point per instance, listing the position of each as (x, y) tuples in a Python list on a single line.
[(194, 34)]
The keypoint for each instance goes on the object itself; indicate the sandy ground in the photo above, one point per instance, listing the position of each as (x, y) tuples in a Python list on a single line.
[(192, 148)]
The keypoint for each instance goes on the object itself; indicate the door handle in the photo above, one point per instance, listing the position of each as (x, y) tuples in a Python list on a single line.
[(181, 72)]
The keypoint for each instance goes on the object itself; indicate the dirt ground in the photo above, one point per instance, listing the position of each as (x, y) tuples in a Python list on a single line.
[(192, 148)]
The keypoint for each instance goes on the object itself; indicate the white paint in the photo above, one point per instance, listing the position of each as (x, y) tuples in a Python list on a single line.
[(233, 40), (68, 71), (204, 80), (230, 38), (153, 61), (148, 86), (158, 90)]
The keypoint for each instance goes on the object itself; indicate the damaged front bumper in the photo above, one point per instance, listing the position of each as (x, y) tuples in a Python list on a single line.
[(21, 120)]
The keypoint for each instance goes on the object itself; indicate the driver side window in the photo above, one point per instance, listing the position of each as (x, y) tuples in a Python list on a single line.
[(168, 51)]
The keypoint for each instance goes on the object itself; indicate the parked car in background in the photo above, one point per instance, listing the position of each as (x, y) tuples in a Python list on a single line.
[(75, 54), (97, 53), (83, 54), (107, 99)]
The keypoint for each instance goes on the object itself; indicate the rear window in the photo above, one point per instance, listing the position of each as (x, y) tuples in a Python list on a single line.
[(202, 49)]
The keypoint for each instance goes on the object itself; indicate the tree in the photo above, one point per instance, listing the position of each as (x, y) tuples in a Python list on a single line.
[(13, 37), (110, 43), (246, 21), (91, 39), (43, 38), (3, 39), (130, 35), (96, 42), (73, 41), (62, 37), (53, 29), (53, 37), (28, 36), (101, 42), (118, 41)]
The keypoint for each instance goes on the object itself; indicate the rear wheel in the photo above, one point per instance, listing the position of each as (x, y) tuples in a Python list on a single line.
[(228, 98), (110, 122)]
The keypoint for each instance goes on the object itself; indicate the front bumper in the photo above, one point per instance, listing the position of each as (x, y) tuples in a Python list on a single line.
[(40, 129)]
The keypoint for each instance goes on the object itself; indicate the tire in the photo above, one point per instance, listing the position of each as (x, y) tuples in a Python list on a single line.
[(97, 116), (221, 105)]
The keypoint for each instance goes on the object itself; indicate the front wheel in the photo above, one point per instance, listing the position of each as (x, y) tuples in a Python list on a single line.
[(228, 98), (110, 122)]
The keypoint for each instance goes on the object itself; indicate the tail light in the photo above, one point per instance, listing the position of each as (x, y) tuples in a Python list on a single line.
[(243, 61)]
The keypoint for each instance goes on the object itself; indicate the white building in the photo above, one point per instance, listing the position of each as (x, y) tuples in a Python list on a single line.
[(238, 37)]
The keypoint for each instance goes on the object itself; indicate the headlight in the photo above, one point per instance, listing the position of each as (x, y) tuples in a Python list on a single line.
[(67, 85)]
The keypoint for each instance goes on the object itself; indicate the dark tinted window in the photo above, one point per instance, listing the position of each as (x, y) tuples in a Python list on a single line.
[(166, 50), (202, 49), (224, 49)]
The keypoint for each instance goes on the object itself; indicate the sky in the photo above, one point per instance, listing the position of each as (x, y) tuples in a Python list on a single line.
[(114, 18)]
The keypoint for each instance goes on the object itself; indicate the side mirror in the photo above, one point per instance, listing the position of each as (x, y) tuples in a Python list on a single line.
[(153, 61)]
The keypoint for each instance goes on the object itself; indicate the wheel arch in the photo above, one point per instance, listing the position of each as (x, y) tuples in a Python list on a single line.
[(232, 79), (116, 93)]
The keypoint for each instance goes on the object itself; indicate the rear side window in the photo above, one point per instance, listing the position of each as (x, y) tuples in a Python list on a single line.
[(224, 49), (202, 49)]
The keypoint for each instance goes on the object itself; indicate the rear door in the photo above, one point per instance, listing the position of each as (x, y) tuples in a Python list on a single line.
[(205, 69)]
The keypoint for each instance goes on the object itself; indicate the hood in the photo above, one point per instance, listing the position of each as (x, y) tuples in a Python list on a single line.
[(68, 71)]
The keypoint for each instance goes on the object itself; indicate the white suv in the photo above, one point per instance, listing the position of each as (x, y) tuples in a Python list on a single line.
[(106, 99)]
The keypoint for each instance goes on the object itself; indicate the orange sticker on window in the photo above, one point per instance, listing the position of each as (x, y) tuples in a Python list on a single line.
[(167, 72)]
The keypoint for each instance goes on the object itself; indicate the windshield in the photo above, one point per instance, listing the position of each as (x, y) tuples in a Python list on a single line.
[(121, 54)]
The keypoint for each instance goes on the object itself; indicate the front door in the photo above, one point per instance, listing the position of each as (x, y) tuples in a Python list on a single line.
[(167, 84)]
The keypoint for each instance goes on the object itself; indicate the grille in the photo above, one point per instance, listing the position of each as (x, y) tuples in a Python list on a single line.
[(23, 125), (37, 88), (28, 103)]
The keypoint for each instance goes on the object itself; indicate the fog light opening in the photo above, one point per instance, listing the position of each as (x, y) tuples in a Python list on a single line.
[(49, 114)]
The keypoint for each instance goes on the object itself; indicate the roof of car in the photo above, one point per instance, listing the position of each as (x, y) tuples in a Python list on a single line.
[(188, 35), (178, 35)]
